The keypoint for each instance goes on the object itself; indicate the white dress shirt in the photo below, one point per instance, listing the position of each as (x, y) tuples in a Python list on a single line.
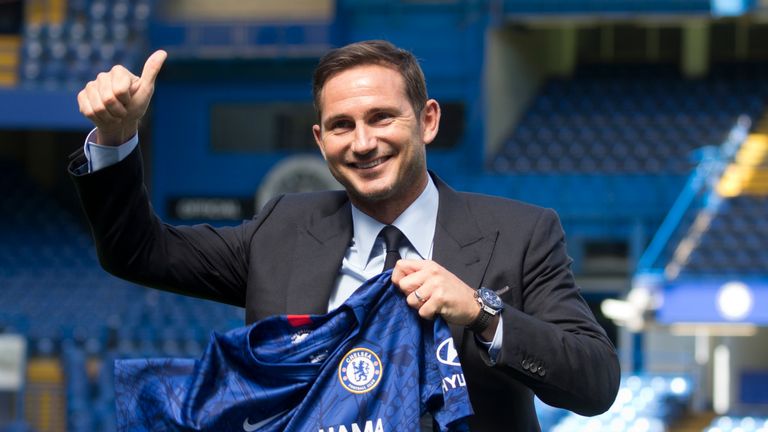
[(365, 255)]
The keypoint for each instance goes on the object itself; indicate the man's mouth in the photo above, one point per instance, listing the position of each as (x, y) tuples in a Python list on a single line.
[(370, 164)]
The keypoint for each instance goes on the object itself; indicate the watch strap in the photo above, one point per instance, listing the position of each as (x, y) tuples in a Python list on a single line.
[(481, 322)]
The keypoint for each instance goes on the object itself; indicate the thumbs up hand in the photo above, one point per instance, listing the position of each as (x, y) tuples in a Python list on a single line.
[(116, 100)]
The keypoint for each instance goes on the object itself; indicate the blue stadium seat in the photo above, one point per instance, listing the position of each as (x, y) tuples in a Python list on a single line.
[(646, 403), (17, 426), (50, 275), (95, 35), (734, 242), (738, 423), (648, 118)]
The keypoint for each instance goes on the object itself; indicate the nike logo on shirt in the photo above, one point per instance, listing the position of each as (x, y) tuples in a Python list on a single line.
[(251, 427)]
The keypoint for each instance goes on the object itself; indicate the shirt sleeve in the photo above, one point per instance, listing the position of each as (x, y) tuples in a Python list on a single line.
[(494, 346), (101, 156)]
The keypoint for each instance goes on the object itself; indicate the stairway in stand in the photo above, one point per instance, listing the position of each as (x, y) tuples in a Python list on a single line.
[(9, 60), (44, 400), (748, 173), (692, 422)]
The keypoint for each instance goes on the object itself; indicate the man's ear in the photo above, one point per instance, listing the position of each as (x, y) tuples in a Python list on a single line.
[(430, 121), (318, 134)]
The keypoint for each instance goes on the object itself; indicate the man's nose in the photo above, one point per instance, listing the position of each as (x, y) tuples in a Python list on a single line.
[(364, 141)]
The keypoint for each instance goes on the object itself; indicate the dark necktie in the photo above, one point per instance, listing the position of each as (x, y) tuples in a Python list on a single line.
[(392, 239)]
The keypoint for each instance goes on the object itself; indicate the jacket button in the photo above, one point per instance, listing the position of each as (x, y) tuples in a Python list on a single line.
[(541, 371), (526, 364)]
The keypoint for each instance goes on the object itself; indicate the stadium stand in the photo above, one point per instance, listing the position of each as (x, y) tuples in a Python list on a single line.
[(85, 37), (54, 293), (644, 403), (622, 119), (733, 243), (738, 424), (715, 237), (722, 229), (605, 6)]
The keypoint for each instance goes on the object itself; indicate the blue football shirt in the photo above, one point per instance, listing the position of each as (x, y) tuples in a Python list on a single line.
[(372, 365)]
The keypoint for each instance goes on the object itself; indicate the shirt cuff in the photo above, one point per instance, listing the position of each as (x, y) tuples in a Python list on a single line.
[(494, 346), (101, 156)]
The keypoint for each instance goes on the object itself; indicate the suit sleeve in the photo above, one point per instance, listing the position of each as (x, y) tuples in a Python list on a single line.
[(134, 244), (553, 343)]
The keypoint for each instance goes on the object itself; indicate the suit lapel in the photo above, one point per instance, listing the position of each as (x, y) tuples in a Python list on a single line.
[(460, 244), (320, 248)]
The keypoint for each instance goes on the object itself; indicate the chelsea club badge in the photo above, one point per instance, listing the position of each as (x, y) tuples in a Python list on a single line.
[(360, 370)]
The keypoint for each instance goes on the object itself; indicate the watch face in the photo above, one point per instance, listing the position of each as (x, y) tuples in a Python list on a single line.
[(491, 299)]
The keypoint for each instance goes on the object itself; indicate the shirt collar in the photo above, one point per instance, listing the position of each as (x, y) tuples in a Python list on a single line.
[(417, 223)]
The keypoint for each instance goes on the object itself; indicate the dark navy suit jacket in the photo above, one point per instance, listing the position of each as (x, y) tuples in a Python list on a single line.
[(286, 259)]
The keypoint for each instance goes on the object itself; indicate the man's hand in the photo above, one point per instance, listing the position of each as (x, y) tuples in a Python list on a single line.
[(432, 290), (116, 100)]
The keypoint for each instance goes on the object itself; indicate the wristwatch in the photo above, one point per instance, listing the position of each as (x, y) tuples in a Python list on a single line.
[(490, 306)]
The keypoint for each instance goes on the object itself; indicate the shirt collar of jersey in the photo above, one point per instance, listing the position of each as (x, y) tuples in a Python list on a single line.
[(417, 222)]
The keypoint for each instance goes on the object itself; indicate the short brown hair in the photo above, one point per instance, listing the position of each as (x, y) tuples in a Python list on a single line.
[(372, 52)]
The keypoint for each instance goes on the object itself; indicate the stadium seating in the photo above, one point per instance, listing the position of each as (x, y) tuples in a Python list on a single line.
[(74, 314), (734, 243), (93, 36), (17, 426), (628, 120), (605, 6), (724, 229), (644, 403), (738, 424)]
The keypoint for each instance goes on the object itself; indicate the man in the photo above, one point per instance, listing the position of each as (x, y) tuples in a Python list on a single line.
[(529, 330)]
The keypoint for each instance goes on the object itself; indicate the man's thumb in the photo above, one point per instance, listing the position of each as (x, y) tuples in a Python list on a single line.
[(152, 67)]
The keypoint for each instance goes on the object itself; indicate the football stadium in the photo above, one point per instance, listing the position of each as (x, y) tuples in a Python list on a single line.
[(641, 123)]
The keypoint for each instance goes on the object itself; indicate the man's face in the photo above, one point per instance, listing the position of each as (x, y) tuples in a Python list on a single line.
[(371, 137)]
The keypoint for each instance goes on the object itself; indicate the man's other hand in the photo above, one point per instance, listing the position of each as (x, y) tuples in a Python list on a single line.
[(116, 100), (433, 290)]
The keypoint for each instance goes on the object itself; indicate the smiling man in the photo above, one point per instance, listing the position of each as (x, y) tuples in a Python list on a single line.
[(495, 269), (374, 138)]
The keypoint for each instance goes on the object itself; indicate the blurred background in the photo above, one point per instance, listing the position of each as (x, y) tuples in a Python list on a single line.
[(641, 122)]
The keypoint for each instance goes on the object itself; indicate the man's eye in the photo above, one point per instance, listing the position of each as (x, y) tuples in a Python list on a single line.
[(381, 117), (341, 125)]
